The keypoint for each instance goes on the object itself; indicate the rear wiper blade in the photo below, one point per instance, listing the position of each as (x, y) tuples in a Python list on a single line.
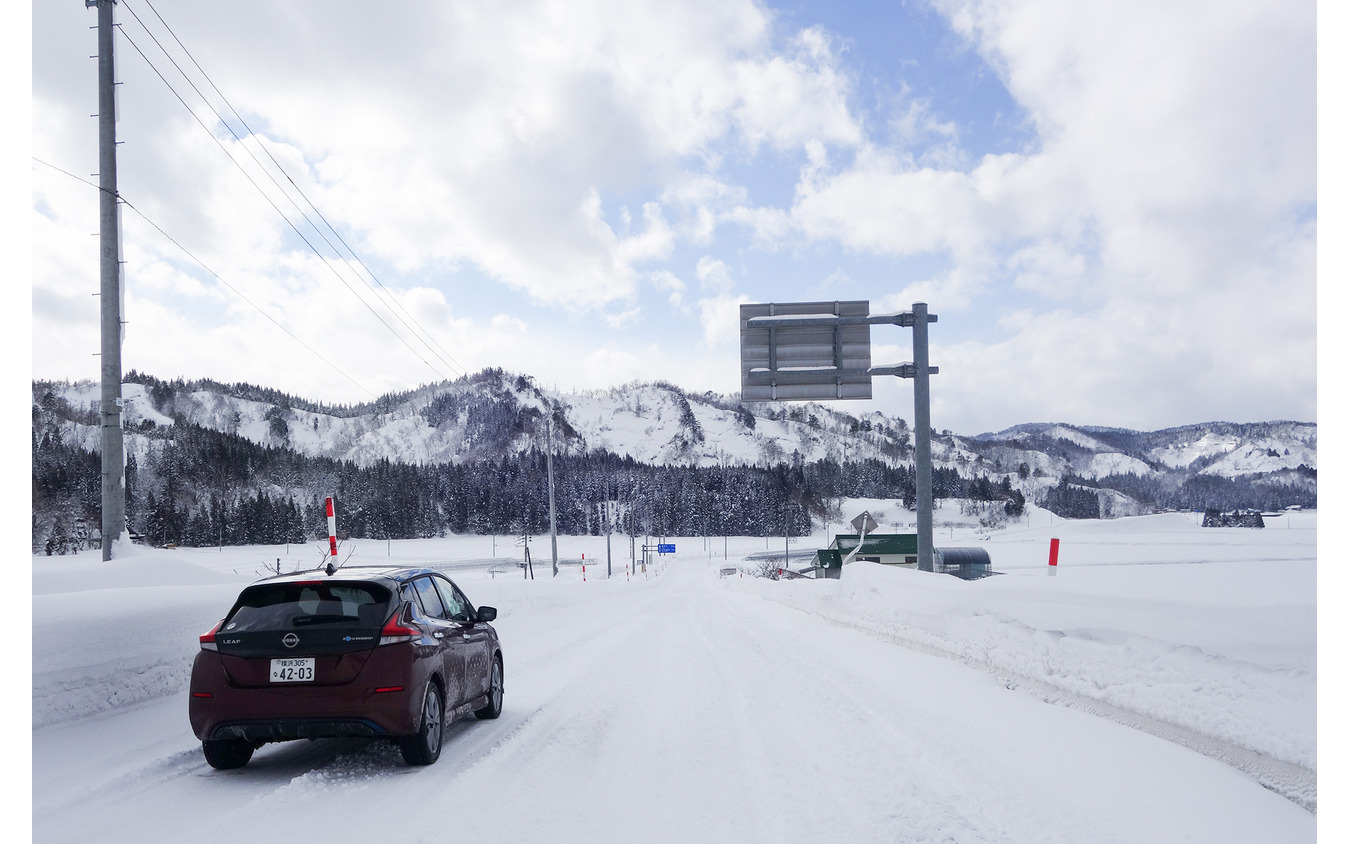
[(302, 620)]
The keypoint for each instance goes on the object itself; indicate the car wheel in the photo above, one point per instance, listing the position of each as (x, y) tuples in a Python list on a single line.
[(424, 746), (224, 754), (494, 706)]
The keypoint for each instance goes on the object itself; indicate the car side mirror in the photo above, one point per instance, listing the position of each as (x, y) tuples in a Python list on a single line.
[(486, 614)]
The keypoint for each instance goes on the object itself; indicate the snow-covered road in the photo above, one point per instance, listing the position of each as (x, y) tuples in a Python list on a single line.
[(680, 708)]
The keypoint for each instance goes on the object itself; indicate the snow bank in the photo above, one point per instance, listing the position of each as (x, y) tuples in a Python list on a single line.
[(110, 634), (1213, 631)]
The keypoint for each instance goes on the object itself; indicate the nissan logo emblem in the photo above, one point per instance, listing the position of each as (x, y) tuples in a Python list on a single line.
[(290, 640)]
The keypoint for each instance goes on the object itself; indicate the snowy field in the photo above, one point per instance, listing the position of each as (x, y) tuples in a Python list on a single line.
[(1159, 686)]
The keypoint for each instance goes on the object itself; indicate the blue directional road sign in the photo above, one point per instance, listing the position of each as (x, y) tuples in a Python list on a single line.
[(665, 549)]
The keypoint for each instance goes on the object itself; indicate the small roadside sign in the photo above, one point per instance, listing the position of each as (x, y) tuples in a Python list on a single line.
[(864, 523)]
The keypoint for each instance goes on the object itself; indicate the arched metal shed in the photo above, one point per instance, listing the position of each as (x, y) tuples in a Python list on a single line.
[(965, 563)]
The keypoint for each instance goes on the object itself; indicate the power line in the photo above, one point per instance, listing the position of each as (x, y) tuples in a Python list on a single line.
[(214, 275), (257, 139), (389, 298), (269, 200)]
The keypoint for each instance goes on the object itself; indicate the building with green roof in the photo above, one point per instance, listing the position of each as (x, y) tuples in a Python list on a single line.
[(890, 549)]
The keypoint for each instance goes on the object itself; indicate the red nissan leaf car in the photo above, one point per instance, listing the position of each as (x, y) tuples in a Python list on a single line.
[(378, 651)]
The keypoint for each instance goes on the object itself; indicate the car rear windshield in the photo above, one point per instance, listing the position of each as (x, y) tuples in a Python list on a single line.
[(287, 606)]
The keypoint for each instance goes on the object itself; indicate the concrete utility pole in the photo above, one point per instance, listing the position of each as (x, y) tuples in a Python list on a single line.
[(113, 497), (609, 556), (552, 511)]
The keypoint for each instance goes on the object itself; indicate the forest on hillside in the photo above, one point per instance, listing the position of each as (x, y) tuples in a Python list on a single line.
[(191, 485), (200, 487)]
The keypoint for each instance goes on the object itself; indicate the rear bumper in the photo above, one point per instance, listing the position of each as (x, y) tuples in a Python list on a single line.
[(219, 709), (288, 729)]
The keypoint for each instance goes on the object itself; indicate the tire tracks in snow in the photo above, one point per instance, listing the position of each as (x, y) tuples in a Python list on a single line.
[(1295, 783), (1292, 782), (922, 802)]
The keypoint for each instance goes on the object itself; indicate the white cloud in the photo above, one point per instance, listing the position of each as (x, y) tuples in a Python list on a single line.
[(1049, 268), (518, 122), (1149, 115), (506, 322), (546, 156), (790, 100), (714, 276), (1165, 193), (953, 290), (655, 242), (666, 280), (720, 316), (445, 135), (703, 199), (937, 140), (770, 226), (610, 365), (619, 320), (837, 285), (1167, 116), (883, 205)]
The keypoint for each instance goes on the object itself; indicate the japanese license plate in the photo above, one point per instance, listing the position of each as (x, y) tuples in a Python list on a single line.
[(293, 670)]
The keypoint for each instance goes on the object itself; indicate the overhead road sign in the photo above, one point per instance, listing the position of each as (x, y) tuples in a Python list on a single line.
[(798, 351), (820, 351), (804, 351)]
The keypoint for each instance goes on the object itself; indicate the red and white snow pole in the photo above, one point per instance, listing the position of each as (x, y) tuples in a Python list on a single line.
[(332, 527), (1054, 555)]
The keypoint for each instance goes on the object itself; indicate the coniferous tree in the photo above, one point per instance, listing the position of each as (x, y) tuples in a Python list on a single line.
[(193, 485)]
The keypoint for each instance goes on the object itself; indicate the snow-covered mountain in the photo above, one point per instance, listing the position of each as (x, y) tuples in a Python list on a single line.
[(1221, 449), (495, 415)]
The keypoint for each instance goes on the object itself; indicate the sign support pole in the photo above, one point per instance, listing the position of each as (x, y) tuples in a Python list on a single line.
[(782, 359), (923, 453)]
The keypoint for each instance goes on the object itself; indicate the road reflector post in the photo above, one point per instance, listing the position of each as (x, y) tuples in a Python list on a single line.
[(332, 527), (1054, 555)]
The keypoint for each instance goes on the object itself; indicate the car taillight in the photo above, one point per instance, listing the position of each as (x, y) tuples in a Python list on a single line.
[(208, 639), (397, 630)]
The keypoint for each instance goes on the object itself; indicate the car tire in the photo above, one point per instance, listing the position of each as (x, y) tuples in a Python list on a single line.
[(225, 754), (495, 689), (424, 746)]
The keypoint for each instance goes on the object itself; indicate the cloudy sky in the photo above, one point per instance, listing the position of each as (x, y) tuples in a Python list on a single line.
[(1112, 207)]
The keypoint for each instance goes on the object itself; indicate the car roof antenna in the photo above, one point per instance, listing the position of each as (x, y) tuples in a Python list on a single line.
[(331, 567)]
